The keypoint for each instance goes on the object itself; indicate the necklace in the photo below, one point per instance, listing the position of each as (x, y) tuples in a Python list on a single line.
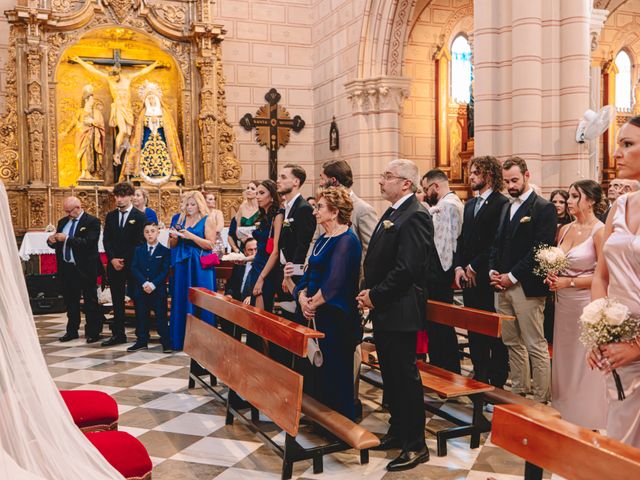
[(315, 247)]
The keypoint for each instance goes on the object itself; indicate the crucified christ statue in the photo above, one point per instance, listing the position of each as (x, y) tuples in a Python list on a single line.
[(121, 111)]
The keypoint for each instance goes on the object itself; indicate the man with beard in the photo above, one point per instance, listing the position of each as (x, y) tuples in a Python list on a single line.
[(446, 211), (527, 222), (481, 218)]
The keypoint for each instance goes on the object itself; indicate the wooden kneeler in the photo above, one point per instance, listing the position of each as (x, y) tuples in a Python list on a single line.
[(267, 386)]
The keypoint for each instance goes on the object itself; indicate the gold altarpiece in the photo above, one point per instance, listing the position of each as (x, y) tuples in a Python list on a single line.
[(43, 89)]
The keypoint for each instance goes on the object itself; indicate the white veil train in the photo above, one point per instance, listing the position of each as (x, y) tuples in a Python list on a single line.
[(38, 439)]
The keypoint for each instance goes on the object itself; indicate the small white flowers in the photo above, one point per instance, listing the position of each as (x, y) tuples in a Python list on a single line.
[(387, 224), (605, 310), (525, 219), (132, 221), (549, 259), (287, 222), (83, 229)]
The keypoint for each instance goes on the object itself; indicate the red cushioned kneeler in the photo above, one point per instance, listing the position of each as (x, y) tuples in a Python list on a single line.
[(124, 452), (92, 411)]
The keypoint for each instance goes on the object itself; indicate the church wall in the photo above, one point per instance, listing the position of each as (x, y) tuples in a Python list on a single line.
[(269, 44), (4, 48)]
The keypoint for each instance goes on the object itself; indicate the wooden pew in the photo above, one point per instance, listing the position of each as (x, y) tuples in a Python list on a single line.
[(568, 450), (265, 384)]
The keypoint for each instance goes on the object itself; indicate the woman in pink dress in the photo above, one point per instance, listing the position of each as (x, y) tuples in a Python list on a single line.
[(618, 277), (572, 381)]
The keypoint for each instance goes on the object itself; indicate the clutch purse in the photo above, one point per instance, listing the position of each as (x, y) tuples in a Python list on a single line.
[(314, 354), (209, 261)]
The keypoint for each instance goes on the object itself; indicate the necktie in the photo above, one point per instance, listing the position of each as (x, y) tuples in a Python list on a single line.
[(122, 214), (67, 245), (150, 250), (478, 206)]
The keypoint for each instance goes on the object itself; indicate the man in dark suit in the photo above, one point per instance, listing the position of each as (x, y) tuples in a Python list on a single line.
[(150, 269), (526, 223), (481, 218), (236, 283), (298, 228), (395, 291), (76, 246), (123, 232)]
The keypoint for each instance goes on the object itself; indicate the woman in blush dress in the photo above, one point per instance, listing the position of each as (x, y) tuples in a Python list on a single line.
[(618, 277), (571, 380), (327, 293), (260, 287)]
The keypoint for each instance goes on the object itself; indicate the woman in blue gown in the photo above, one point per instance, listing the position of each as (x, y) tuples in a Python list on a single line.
[(327, 292), (192, 236), (260, 286)]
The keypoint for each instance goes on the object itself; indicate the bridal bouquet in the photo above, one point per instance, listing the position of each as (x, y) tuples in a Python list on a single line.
[(550, 260), (606, 320)]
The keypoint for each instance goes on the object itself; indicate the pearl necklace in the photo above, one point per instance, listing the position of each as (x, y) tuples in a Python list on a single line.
[(315, 247)]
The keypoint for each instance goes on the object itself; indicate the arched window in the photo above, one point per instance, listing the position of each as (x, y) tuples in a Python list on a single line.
[(623, 81), (461, 73)]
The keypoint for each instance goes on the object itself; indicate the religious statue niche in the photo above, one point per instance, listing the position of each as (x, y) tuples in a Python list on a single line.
[(273, 125), (116, 62), (88, 124), (334, 136), (155, 155)]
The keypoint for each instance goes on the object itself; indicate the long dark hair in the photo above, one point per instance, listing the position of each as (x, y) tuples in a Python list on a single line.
[(272, 188), (593, 191), (566, 217)]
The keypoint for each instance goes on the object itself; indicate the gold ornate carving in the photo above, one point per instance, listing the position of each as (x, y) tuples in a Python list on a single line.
[(35, 94), (169, 204), (61, 6), (37, 211), (9, 170), (35, 126), (121, 8), (230, 205), (207, 136), (173, 13)]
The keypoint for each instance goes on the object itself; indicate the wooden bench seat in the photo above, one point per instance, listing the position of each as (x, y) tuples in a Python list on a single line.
[(498, 396), (573, 452)]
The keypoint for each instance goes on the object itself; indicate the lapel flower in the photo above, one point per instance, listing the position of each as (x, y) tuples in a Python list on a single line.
[(132, 221), (287, 222), (387, 224), (83, 229), (525, 219)]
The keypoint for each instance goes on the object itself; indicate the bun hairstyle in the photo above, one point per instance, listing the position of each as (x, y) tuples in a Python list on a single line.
[(593, 191)]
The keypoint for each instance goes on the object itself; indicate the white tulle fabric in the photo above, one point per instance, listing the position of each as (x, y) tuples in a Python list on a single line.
[(38, 439)]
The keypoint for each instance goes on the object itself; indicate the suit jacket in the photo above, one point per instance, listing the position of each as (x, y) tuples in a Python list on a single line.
[(534, 223), (84, 245), (396, 266), (297, 231), (121, 243), (154, 268), (363, 221), (235, 282), (478, 233)]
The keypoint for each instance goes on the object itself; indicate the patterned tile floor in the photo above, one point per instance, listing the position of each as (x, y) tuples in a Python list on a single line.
[(184, 431)]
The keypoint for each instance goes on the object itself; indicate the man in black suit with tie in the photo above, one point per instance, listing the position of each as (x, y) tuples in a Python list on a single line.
[(481, 218), (240, 272), (76, 246), (123, 232), (298, 228), (527, 222), (395, 291)]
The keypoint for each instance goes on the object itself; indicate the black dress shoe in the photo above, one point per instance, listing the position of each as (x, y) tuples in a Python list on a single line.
[(388, 442), (109, 342), (67, 337), (167, 349), (95, 339), (408, 460), (137, 346)]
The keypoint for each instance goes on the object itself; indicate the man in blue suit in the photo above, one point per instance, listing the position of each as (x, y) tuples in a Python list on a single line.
[(150, 268)]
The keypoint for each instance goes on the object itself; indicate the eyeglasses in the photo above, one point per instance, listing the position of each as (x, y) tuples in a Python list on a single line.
[(387, 177)]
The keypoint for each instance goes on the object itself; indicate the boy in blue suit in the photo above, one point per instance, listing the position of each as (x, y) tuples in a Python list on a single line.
[(150, 268)]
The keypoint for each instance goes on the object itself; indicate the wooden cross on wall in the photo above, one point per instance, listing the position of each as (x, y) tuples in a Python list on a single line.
[(273, 127), (116, 60)]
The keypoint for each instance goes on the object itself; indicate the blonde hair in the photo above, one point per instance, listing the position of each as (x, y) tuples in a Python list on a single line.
[(145, 195), (203, 210), (338, 199)]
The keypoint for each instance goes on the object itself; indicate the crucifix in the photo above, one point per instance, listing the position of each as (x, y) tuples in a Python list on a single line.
[(121, 115), (273, 126)]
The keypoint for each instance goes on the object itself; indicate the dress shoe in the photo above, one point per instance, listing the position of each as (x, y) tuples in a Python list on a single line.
[(95, 339), (388, 442), (137, 346), (408, 460), (67, 337), (167, 349), (109, 342)]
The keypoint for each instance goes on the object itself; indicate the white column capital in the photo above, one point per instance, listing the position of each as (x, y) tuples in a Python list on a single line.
[(598, 17), (378, 95)]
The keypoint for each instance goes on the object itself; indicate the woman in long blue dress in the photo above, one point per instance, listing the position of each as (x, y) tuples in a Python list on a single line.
[(327, 293), (260, 287), (192, 236)]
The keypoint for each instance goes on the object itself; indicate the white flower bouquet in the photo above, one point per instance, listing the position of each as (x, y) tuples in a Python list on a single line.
[(550, 260), (606, 320)]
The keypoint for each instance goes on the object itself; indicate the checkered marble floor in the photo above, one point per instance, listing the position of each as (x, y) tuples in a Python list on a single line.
[(185, 433)]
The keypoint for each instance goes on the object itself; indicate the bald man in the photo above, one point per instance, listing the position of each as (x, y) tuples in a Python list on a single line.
[(76, 246)]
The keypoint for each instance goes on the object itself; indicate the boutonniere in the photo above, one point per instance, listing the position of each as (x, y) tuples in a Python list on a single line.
[(83, 229), (132, 221), (387, 224), (525, 219), (287, 222)]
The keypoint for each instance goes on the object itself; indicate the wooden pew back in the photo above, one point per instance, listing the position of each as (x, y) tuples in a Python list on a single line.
[(561, 447), (470, 319)]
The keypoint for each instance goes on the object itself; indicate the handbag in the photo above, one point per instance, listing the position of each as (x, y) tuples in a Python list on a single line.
[(209, 261), (269, 246), (314, 354)]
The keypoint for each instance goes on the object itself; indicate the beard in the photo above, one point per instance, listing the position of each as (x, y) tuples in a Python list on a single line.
[(329, 183), (516, 192), (285, 190), (431, 199), (478, 186)]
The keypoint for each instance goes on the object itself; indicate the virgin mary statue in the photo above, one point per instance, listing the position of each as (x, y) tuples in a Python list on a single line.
[(155, 155)]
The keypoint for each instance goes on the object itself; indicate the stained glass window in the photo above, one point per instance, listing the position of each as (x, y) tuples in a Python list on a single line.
[(461, 70), (623, 81)]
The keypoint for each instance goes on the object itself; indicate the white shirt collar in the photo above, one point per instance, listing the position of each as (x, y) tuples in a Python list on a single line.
[(291, 202), (127, 211), (152, 246), (523, 198), (78, 217), (486, 194), (399, 203)]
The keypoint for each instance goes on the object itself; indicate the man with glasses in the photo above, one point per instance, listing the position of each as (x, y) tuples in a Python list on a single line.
[(76, 246), (395, 292)]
